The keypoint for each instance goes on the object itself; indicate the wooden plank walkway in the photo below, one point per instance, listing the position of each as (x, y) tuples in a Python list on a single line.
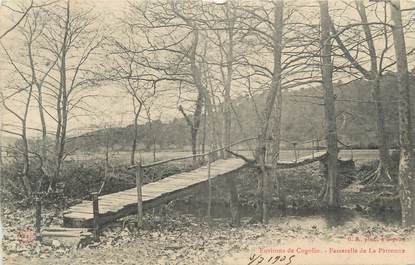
[(123, 203), (302, 160)]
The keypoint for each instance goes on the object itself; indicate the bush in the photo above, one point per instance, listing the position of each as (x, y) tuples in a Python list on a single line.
[(78, 179)]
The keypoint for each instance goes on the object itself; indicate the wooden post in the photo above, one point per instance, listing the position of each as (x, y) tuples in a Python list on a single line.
[(1, 156), (295, 152), (38, 202), (95, 211), (233, 201), (209, 210), (312, 148), (318, 144), (139, 184)]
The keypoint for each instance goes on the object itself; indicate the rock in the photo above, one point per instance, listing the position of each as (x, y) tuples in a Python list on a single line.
[(36, 250), (124, 233), (170, 252), (60, 251), (68, 237), (43, 256), (46, 248), (56, 243)]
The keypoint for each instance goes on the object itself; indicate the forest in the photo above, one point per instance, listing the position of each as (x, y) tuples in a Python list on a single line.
[(357, 122), (287, 109)]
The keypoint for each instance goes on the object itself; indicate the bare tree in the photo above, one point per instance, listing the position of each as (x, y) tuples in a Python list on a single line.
[(273, 59), (27, 91), (194, 124), (151, 132), (33, 75), (274, 41), (331, 194), (407, 160), (182, 38), (374, 74), (223, 31), (73, 38), (23, 12), (139, 83), (35, 27)]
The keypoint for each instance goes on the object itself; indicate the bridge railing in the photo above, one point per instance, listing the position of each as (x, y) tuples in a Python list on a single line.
[(139, 167), (316, 146), (157, 163), (139, 172)]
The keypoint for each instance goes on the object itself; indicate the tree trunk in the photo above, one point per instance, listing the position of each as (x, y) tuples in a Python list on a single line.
[(204, 134), (152, 133), (135, 136), (202, 90), (62, 138), (234, 204), (384, 156), (265, 181), (154, 147), (274, 146), (26, 161), (43, 148), (196, 125), (406, 162), (194, 144), (274, 98), (259, 206), (233, 190), (274, 150), (329, 105), (374, 76), (44, 144), (62, 104), (214, 125), (228, 85)]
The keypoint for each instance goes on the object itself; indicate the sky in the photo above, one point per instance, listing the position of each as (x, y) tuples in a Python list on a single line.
[(112, 108)]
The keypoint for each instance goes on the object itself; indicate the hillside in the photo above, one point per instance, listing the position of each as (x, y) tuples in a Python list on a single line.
[(302, 119)]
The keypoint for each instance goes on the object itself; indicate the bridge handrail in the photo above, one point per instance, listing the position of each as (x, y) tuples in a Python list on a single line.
[(192, 156), (139, 177), (210, 152)]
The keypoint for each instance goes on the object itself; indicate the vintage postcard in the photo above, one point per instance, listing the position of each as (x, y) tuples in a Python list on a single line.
[(207, 132)]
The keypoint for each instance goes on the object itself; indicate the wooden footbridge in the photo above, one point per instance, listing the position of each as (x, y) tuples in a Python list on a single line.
[(124, 203), (127, 202)]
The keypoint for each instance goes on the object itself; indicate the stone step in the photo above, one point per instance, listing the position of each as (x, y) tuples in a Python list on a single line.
[(68, 237)]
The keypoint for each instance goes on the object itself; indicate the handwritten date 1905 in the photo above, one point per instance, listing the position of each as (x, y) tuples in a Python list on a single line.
[(281, 259)]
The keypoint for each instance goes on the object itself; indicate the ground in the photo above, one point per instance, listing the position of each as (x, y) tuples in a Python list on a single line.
[(189, 241), (178, 233)]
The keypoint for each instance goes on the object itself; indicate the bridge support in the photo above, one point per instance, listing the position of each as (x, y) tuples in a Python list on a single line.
[(295, 152), (38, 224), (312, 149), (233, 201), (139, 184), (95, 211), (209, 209)]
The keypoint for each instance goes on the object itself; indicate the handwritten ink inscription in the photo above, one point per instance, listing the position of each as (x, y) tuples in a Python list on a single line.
[(256, 259)]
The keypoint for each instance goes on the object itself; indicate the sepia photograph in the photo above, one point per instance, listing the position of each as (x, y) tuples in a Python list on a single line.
[(229, 132)]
